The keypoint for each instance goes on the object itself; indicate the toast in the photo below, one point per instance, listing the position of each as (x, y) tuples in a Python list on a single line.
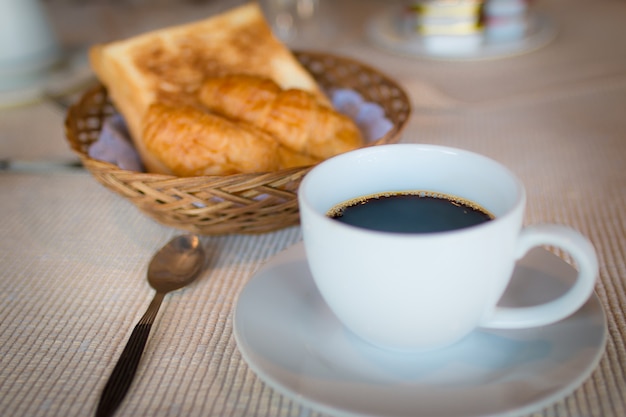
[(170, 65)]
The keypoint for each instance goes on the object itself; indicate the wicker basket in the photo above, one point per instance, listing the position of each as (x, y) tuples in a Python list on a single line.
[(241, 203)]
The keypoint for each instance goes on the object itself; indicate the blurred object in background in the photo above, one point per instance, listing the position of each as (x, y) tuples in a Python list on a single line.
[(445, 25), (28, 45), (462, 29), (300, 22), (505, 20), (131, 2), (465, 24), (35, 62)]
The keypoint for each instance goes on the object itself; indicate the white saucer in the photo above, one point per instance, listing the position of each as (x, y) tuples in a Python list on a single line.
[(383, 33), (292, 341), (70, 73)]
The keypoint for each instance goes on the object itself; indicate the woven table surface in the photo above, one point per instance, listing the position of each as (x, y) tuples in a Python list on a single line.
[(74, 255)]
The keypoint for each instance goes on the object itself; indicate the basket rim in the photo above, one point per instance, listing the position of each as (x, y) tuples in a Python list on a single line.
[(88, 161)]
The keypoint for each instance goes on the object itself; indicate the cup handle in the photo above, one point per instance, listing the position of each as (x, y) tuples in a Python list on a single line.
[(583, 253)]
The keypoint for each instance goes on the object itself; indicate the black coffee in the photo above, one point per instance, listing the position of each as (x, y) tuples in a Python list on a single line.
[(411, 212)]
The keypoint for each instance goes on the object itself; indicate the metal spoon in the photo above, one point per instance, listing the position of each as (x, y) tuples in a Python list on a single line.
[(175, 265)]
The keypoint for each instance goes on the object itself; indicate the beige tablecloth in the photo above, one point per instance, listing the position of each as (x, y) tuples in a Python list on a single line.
[(74, 255)]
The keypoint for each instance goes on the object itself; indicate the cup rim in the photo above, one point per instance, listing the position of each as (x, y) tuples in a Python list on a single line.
[(304, 200)]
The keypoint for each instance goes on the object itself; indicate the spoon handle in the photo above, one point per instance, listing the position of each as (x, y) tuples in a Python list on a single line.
[(122, 376)]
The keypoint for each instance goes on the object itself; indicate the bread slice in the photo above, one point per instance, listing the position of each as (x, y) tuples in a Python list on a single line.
[(170, 65)]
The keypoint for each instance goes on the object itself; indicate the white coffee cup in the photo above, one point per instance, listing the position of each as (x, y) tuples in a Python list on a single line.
[(28, 44), (414, 292)]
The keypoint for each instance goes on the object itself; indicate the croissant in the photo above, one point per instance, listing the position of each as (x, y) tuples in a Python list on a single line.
[(294, 117), (188, 141)]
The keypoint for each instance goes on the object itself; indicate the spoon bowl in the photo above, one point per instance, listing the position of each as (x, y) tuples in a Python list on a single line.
[(174, 266)]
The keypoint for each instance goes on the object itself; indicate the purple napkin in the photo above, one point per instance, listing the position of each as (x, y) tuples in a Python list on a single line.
[(114, 145), (369, 117)]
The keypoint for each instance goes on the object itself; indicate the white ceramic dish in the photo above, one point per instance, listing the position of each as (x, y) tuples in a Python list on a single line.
[(69, 73), (382, 32), (293, 342)]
